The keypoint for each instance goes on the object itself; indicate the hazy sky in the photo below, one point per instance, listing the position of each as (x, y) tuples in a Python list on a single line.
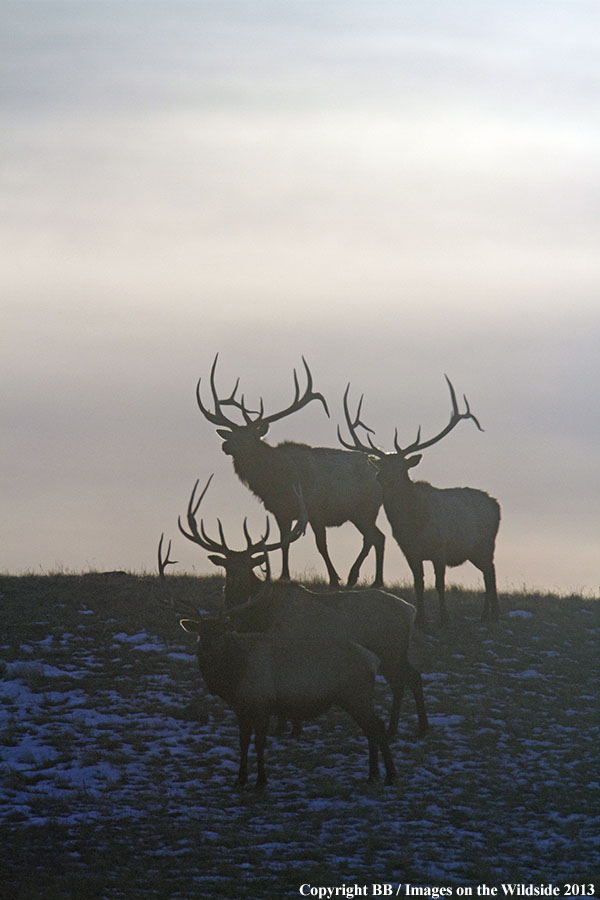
[(393, 190)]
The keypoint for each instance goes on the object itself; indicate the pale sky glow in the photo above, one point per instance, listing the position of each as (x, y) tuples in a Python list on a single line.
[(395, 191)]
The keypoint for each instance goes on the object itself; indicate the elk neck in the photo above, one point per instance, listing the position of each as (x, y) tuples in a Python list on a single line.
[(221, 665), (403, 502), (266, 471), (257, 613)]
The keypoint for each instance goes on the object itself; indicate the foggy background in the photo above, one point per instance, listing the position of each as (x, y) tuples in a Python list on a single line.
[(396, 191)]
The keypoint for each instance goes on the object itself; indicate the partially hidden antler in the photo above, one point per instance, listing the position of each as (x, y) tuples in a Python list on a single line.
[(353, 425), (164, 561)]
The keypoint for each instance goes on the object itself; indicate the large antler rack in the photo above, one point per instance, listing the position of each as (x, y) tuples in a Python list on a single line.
[(255, 417), (199, 536), (455, 417)]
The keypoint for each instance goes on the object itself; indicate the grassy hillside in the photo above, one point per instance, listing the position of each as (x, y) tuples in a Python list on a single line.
[(118, 770)]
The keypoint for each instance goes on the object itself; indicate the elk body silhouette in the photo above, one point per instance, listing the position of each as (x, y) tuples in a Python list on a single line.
[(260, 675), (337, 486), (371, 618), (446, 526)]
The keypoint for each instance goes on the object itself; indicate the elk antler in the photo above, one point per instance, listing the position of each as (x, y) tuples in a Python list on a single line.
[(219, 418), (353, 425), (163, 562), (455, 418), (298, 402), (200, 537)]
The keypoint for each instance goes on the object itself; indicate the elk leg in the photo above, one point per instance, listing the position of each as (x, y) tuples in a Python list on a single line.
[(260, 740), (372, 537), (415, 684), (379, 542), (419, 582), (373, 758), (354, 571), (374, 730), (440, 578), (395, 679), (490, 609), (321, 541), (285, 526), (245, 726), (379, 738), (390, 769)]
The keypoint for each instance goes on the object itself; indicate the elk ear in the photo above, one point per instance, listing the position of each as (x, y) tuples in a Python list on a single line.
[(218, 560), (261, 428), (373, 461), (192, 626), (224, 433), (414, 460)]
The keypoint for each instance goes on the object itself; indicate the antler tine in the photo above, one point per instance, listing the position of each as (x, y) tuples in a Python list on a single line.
[(247, 412), (217, 417), (455, 417), (213, 386), (190, 537), (469, 415), (163, 562), (299, 401), (410, 448), (309, 384), (194, 509), (343, 442), (198, 536), (353, 425), (209, 543), (297, 386), (222, 536), (252, 545), (258, 546)]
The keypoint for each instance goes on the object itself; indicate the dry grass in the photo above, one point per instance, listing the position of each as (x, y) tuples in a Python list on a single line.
[(118, 770)]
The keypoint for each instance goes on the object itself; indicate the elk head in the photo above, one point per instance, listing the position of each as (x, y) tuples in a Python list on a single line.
[(241, 581), (393, 468), (240, 436)]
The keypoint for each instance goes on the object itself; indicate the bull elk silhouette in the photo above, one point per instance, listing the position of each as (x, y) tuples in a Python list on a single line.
[(337, 486), (446, 526)]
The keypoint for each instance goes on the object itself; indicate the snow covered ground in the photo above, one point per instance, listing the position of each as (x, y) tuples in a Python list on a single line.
[(117, 769)]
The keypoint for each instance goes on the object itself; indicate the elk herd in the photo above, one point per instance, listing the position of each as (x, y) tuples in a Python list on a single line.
[(279, 649)]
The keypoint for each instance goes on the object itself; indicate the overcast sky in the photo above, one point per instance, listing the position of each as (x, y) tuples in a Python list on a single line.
[(394, 190)]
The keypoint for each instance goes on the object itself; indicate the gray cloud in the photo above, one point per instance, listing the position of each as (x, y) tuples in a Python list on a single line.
[(395, 193)]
